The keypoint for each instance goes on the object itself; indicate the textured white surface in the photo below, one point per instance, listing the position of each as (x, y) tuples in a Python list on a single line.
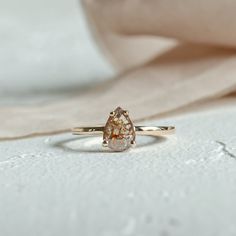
[(184, 185)]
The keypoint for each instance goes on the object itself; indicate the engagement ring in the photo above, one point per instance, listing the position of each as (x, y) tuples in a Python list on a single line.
[(119, 133)]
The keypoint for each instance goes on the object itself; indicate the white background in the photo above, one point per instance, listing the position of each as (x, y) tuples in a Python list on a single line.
[(46, 45)]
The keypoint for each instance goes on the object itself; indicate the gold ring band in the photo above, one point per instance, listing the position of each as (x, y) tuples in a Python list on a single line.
[(139, 130), (119, 133)]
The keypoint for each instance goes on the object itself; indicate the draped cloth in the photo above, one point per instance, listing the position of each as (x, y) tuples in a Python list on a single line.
[(169, 55)]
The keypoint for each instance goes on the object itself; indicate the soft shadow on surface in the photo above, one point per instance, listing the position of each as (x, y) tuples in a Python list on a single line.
[(89, 144)]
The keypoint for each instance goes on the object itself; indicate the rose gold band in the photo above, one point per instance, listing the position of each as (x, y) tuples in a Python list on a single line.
[(139, 130)]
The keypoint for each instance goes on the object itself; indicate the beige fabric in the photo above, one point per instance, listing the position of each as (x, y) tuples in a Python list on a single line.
[(127, 28), (168, 77)]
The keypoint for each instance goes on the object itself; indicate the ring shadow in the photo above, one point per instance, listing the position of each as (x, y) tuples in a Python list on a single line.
[(73, 145)]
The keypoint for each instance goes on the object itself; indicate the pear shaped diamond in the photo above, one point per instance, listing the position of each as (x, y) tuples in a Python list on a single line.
[(119, 132)]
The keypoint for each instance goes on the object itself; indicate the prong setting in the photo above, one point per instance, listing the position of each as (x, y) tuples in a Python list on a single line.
[(126, 113), (133, 143), (105, 143), (112, 114)]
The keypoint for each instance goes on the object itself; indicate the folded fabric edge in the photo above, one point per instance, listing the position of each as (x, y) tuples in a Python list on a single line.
[(187, 108), (98, 38)]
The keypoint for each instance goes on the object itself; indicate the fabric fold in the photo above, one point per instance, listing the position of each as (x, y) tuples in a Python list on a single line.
[(182, 76)]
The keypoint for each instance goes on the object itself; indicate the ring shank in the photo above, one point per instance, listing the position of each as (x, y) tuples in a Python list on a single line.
[(139, 130), (154, 130)]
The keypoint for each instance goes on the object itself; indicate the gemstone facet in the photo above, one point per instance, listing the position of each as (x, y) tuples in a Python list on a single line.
[(119, 132)]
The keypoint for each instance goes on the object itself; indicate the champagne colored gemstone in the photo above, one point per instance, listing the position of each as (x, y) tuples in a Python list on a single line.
[(119, 131)]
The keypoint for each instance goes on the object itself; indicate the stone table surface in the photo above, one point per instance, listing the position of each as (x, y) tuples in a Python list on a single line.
[(181, 185)]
